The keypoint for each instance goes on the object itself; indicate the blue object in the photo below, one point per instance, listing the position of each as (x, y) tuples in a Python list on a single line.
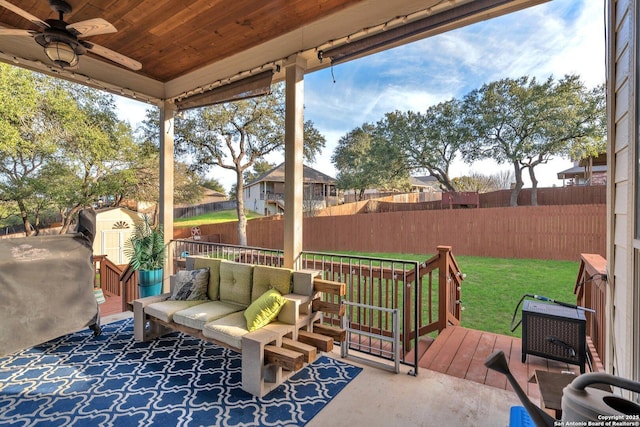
[(150, 282), (184, 254), (519, 417)]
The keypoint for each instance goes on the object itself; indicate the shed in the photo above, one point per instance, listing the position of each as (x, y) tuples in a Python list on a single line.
[(113, 228)]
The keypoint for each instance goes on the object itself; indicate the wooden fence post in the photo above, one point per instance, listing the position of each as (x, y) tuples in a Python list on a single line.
[(443, 286)]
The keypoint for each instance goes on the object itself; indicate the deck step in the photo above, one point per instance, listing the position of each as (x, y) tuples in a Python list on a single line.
[(423, 345), (283, 357)]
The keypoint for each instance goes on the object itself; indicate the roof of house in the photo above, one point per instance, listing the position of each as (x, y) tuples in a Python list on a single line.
[(579, 171), (212, 193), (423, 181), (277, 175)]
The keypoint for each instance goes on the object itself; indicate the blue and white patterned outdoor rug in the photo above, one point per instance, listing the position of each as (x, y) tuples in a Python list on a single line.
[(176, 380)]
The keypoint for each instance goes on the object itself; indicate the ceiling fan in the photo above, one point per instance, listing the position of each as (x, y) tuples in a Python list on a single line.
[(63, 43)]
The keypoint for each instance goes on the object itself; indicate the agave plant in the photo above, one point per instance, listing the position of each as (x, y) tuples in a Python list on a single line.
[(145, 248)]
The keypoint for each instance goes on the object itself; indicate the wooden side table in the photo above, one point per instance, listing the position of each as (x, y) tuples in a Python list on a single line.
[(551, 385)]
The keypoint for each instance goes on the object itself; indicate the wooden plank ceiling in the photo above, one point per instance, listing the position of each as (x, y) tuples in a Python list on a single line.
[(172, 38)]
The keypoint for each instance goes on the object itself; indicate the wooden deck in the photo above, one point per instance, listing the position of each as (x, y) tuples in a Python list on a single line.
[(112, 305), (461, 352)]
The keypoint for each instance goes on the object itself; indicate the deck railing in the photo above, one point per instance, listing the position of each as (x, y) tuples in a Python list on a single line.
[(591, 292), (372, 282), (109, 274), (129, 284), (118, 280), (178, 249)]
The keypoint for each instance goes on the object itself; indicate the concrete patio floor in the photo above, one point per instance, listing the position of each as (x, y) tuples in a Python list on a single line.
[(377, 397), (380, 398)]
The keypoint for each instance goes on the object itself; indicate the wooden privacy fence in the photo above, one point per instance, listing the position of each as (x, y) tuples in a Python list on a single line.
[(537, 232), (574, 195)]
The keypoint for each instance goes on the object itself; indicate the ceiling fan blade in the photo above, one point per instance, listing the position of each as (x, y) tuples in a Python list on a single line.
[(16, 32), (91, 27), (113, 56), (26, 15)]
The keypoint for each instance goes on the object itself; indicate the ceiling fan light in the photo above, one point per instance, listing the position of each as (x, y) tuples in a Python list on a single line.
[(61, 54)]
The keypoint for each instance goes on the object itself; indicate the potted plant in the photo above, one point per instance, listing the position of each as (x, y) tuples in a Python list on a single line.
[(146, 251)]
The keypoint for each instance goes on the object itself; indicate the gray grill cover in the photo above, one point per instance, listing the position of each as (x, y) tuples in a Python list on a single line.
[(46, 286)]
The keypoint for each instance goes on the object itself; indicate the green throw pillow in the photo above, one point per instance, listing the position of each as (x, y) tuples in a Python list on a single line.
[(264, 310)]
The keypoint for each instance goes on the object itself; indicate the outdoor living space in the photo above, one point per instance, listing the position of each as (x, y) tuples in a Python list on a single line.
[(408, 359), (482, 396), (454, 360)]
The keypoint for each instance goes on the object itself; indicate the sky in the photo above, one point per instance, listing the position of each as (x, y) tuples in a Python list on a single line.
[(552, 39)]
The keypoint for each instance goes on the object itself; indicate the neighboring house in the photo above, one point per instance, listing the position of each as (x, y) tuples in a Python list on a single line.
[(422, 184), (210, 201), (113, 228), (265, 194), (419, 184), (208, 196), (591, 171)]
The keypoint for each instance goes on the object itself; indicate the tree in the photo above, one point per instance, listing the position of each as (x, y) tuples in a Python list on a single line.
[(235, 135), (233, 192), (430, 141), (595, 143), (142, 182), (259, 167), (350, 159), (27, 137), (525, 123), (214, 184), (481, 183), (95, 147), (365, 158)]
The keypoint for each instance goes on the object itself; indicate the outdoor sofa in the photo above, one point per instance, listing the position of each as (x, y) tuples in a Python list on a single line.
[(281, 307)]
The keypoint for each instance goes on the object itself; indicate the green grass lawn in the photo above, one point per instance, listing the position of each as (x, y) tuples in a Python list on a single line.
[(493, 286), (212, 218)]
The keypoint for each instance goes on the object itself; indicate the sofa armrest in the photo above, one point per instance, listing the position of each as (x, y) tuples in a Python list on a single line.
[(139, 318), (290, 312), (143, 302)]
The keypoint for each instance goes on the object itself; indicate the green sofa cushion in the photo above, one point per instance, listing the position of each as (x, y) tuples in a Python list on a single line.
[(264, 310), (235, 282), (213, 291), (196, 317), (229, 330), (265, 278), (164, 310)]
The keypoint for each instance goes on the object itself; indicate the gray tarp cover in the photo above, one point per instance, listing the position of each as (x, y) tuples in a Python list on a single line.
[(46, 287)]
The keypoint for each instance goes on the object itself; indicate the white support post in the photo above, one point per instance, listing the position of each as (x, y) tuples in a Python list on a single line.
[(293, 158), (167, 121)]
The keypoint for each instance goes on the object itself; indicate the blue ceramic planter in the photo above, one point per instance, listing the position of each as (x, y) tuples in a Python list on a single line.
[(150, 282)]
